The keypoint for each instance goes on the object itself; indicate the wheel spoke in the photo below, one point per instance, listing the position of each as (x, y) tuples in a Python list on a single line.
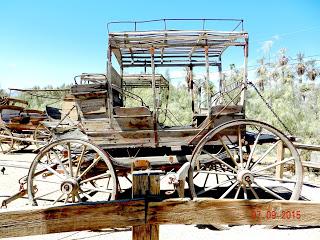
[(205, 181), (217, 173), (100, 176), (228, 151), (80, 160), (254, 193), (273, 165), (46, 194), (55, 201), (89, 168), (245, 194), (269, 191), (275, 179), (59, 162), (87, 196), (240, 147), (253, 148), (96, 189), (265, 154), (215, 186), (46, 181), (69, 158), (229, 190), (66, 200), (237, 193), (219, 160), (54, 172), (78, 196)]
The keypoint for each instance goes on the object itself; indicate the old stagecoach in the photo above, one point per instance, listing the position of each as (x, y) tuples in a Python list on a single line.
[(230, 156)]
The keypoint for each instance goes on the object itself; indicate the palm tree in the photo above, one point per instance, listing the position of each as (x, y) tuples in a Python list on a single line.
[(261, 74), (312, 72), (300, 68)]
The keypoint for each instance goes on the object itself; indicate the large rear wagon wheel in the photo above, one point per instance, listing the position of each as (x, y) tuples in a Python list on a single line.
[(70, 171), (240, 160)]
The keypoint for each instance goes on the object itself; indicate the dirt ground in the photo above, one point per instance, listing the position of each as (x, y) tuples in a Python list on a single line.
[(17, 166)]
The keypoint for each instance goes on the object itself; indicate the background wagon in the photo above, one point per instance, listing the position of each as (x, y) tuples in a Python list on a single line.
[(18, 124)]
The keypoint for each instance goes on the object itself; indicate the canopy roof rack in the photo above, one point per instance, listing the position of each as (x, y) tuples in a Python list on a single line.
[(172, 47), (144, 81)]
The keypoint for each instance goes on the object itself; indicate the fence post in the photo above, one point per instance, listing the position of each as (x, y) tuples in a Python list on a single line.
[(145, 183), (280, 156)]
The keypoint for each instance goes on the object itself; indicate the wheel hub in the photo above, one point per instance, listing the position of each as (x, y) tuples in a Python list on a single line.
[(69, 186), (245, 177)]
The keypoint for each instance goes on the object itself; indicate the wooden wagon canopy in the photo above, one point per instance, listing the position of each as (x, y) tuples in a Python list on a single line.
[(172, 47)]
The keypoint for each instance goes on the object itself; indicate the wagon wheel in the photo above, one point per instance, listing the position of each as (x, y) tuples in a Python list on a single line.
[(42, 133), (71, 170), (240, 159), (19, 145), (6, 143)]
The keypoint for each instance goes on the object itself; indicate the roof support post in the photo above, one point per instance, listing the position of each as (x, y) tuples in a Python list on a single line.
[(109, 83), (155, 102), (245, 71), (220, 79), (206, 51)]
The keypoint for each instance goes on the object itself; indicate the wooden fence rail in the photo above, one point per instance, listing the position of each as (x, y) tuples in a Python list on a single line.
[(139, 212), (146, 214)]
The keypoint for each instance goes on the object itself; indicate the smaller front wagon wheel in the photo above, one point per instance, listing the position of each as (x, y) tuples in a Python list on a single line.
[(70, 171)]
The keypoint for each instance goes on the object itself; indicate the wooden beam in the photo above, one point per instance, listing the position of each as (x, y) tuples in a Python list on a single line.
[(67, 218), (92, 216), (227, 211)]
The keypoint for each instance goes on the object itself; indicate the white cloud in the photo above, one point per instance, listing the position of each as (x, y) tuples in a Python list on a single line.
[(266, 46)]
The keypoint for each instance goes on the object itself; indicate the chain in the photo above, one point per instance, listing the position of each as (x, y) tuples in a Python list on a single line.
[(270, 108)]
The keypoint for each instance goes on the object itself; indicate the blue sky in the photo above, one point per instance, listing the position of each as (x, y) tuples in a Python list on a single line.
[(48, 42)]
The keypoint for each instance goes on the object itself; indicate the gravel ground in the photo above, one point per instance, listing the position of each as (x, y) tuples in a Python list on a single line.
[(20, 163)]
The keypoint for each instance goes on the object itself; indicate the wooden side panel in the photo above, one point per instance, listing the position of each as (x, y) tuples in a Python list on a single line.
[(119, 139), (96, 125), (92, 106), (133, 123), (132, 111)]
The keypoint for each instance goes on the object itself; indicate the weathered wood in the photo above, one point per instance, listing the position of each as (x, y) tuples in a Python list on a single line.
[(307, 147), (280, 156), (227, 211), (92, 216), (125, 111), (92, 106), (145, 184), (72, 218)]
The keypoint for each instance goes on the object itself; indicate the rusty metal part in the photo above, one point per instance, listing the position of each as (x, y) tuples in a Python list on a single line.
[(16, 196)]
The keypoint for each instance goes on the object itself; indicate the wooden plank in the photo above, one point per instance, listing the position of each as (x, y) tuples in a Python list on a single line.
[(72, 218), (227, 211), (92, 106)]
